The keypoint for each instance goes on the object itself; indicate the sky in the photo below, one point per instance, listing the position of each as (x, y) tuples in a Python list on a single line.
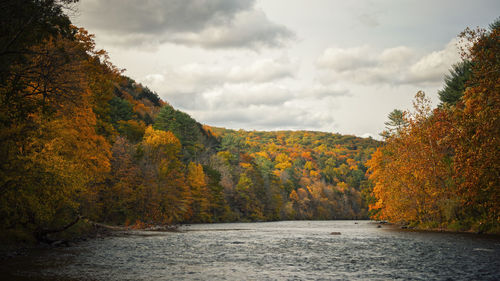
[(323, 65)]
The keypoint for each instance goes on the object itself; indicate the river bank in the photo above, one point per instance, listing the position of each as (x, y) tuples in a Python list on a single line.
[(453, 229)]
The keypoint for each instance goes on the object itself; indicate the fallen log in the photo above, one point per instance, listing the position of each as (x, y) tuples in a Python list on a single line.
[(107, 226), (41, 234)]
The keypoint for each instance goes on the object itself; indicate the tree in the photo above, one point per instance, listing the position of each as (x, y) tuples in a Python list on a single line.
[(412, 170), (52, 157), (443, 169), (245, 199), (26, 23), (199, 201), (117, 197), (478, 131), (185, 128), (165, 195), (455, 83), (395, 124)]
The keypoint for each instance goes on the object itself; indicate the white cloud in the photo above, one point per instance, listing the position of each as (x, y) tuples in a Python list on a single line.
[(396, 56), (264, 70), (197, 78), (348, 59), (288, 116), (432, 67), (398, 65), (257, 96), (245, 95)]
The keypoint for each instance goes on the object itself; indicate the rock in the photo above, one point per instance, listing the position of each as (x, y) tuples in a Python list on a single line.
[(335, 233), (379, 226)]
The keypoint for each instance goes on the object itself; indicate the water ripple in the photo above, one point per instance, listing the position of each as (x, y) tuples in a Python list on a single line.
[(294, 250)]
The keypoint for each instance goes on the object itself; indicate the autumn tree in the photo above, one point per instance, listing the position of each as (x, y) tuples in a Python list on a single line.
[(117, 197), (164, 195), (245, 199), (412, 170), (477, 157), (443, 169), (200, 196), (54, 157)]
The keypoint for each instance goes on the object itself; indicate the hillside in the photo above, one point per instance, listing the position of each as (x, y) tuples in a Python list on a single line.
[(296, 174), (81, 140), (227, 175)]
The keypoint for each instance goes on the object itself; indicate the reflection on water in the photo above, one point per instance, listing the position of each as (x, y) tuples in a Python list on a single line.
[(292, 250)]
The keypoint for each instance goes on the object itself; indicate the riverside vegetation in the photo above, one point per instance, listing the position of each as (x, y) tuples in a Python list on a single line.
[(81, 140), (440, 168)]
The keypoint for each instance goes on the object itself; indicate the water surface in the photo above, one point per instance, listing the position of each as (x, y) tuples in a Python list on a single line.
[(290, 250)]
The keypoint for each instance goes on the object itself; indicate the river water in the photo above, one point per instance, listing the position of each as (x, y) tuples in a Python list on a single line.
[(289, 250)]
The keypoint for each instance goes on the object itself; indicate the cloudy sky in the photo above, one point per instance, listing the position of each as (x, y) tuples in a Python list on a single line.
[(328, 65)]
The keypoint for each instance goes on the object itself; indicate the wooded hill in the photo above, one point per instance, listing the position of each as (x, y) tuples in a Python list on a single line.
[(79, 139)]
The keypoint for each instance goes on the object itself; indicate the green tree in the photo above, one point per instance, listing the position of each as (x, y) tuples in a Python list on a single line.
[(455, 83), (185, 128), (395, 124)]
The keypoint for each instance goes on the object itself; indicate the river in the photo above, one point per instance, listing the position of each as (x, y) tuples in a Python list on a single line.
[(289, 250)]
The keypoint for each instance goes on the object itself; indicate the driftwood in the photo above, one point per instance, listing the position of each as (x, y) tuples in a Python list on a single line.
[(107, 226), (41, 234)]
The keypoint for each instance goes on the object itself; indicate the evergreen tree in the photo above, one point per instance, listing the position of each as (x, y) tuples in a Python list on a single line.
[(455, 83)]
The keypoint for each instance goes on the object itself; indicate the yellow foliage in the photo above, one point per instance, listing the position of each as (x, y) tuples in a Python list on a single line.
[(245, 165)]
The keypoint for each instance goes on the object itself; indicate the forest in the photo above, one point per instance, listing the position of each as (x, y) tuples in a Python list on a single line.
[(440, 168), (82, 142)]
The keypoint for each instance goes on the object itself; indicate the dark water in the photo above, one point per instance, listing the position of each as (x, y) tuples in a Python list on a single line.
[(293, 250)]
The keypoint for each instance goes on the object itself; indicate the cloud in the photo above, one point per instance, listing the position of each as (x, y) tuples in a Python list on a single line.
[(348, 59), (204, 23), (259, 95), (269, 117), (264, 70), (154, 16), (433, 67), (230, 96), (245, 95), (396, 66), (215, 87), (250, 29), (184, 82)]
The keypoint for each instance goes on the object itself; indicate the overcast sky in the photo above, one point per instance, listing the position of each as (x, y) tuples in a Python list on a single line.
[(327, 65)]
